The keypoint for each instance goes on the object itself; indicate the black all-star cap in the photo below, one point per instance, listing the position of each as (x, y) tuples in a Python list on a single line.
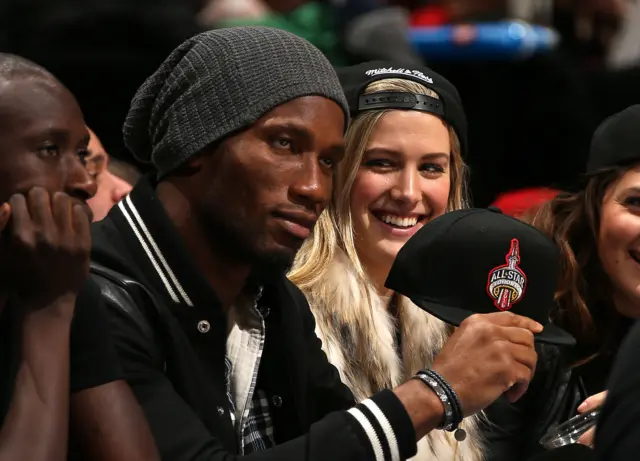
[(480, 261), (355, 79), (616, 142)]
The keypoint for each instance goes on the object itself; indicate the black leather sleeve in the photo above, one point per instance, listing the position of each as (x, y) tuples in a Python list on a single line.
[(513, 430), (93, 356)]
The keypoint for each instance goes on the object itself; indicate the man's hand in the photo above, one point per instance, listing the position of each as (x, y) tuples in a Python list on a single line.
[(47, 244), (487, 356)]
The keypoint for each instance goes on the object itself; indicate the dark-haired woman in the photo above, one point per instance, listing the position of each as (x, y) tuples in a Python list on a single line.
[(598, 231)]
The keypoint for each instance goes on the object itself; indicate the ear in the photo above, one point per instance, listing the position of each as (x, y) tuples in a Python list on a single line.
[(196, 162), (193, 165), (203, 159)]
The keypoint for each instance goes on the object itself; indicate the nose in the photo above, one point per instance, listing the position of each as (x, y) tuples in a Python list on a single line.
[(311, 186), (407, 187), (78, 182), (119, 193), (119, 189)]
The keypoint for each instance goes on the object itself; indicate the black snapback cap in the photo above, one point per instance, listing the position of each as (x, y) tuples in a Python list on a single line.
[(616, 142), (480, 261), (355, 79)]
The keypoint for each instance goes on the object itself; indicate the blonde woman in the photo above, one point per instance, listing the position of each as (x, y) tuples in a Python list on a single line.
[(403, 167)]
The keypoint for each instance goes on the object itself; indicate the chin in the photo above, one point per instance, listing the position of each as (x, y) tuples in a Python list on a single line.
[(389, 250), (630, 311), (626, 299), (99, 208), (274, 261), (379, 257)]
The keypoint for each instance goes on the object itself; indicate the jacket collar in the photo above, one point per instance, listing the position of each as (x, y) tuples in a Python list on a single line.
[(159, 250), (159, 254)]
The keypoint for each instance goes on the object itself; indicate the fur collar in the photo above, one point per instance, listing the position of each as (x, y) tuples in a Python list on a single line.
[(359, 338)]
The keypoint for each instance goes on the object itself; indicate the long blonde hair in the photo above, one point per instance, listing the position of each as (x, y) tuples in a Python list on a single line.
[(345, 302), (334, 229)]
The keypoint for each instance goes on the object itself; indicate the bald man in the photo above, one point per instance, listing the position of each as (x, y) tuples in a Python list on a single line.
[(58, 366)]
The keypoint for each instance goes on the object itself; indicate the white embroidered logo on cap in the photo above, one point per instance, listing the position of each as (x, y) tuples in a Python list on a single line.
[(401, 71)]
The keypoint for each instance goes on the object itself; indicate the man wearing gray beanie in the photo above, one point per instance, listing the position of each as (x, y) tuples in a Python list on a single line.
[(244, 127)]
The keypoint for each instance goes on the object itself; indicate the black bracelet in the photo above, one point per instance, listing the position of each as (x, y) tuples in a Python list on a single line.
[(455, 400), (439, 390), (451, 424), (459, 434)]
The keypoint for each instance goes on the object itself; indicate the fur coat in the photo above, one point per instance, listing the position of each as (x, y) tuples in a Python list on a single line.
[(362, 346)]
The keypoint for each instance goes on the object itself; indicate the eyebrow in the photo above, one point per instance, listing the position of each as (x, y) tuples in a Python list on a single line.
[(301, 132), (428, 156), (59, 134), (96, 157), (287, 126), (54, 133), (633, 190)]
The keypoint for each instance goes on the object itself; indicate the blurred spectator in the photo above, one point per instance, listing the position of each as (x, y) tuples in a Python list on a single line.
[(216, 11), (374, 30), (314, 21), (588, 28), (625, 48), (344, 30), (111, 187)]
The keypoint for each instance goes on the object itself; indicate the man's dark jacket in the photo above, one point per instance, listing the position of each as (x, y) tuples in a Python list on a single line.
[(178, 373)]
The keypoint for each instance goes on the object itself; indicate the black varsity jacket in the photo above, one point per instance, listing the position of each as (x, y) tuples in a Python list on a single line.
[(178, 373)]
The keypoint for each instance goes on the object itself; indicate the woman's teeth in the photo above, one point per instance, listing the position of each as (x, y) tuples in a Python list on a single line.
[(398, 221)]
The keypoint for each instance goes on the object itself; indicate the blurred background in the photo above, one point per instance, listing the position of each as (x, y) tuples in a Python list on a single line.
[(535, 76)]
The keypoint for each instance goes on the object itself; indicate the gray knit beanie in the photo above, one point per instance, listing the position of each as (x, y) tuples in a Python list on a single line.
[(218, 82)]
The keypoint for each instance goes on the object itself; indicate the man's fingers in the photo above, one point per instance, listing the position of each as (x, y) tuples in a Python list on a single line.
[(507, 319), (520, 365), (20, 214), (62, 211), (524, 355), (522, 375), (517, 335), (82, 225), (39, 205), (516, 391)]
